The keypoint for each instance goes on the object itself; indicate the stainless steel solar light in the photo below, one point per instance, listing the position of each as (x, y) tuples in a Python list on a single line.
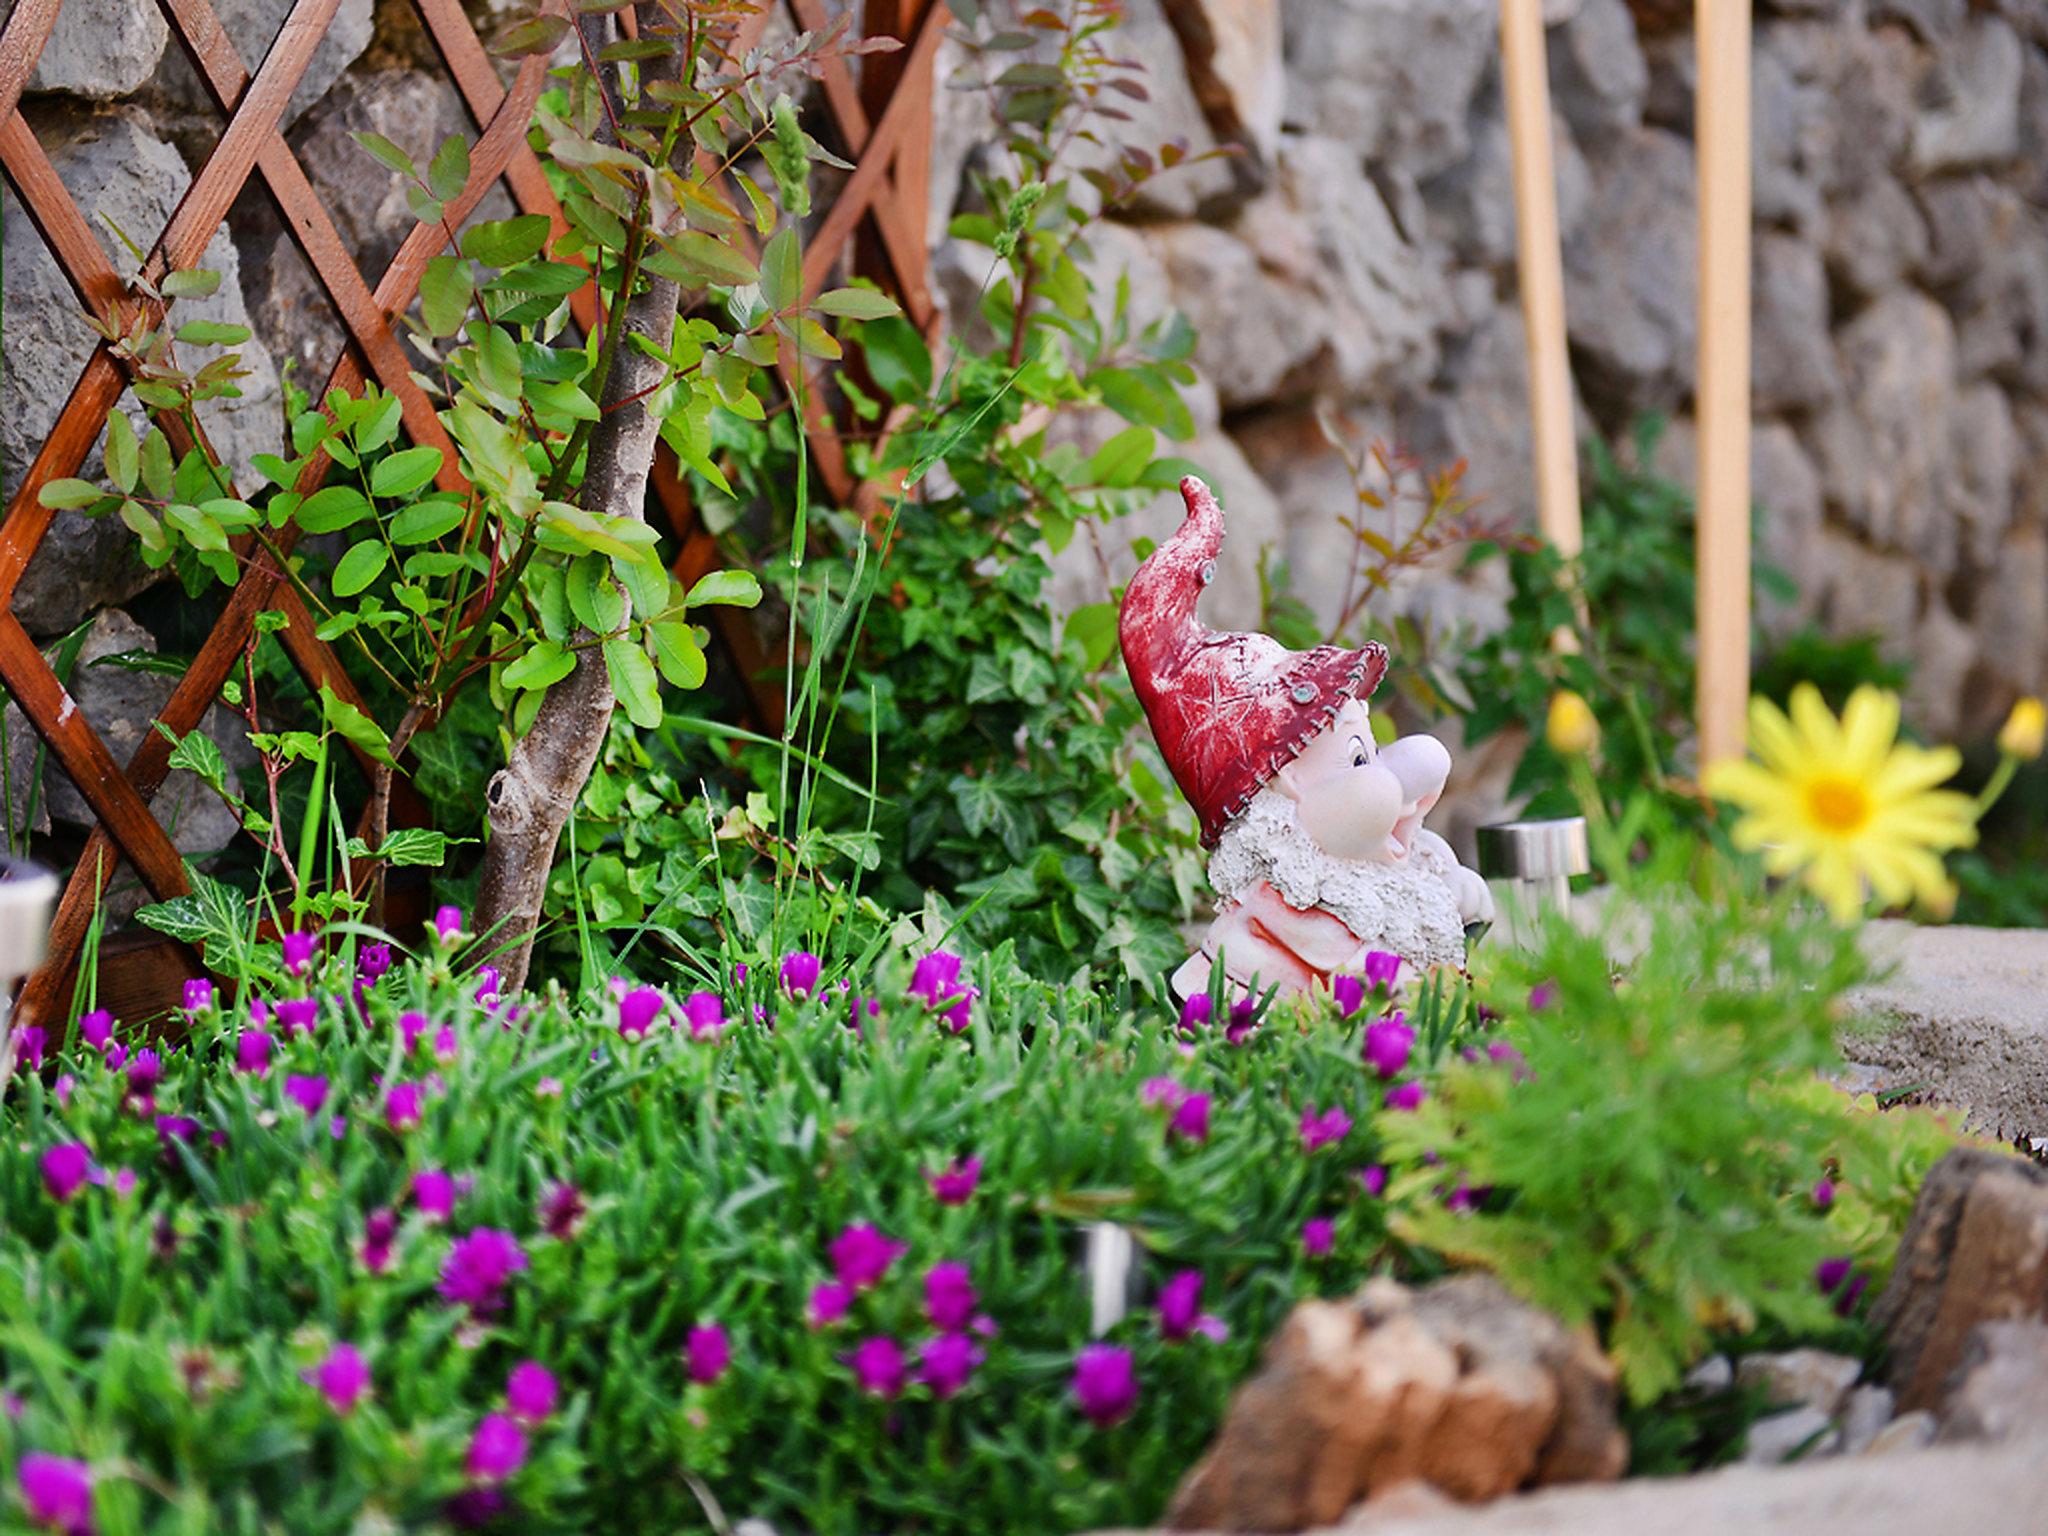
[(1531, 864), (27, 895)]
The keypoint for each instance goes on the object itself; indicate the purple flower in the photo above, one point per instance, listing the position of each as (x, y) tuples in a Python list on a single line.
[(29, 1041), (433, 1190), (252, 1051), (1829, 1274), (799, 973), (446, 1044), (706, 1353), (343, 1378), (380, 1230), (1388, 1043), (1317, 1236), (1161, 1093), (309, 1093), (1373, 1180), (1196, 1013), (1824, 1194), (828, 1304), (1191, 1118), (638, 1011), (935, 981), (948, 1296), (1244, 1018), (496, 1450), (1542, 996), (1320, 1130), (412, 1024), (878, 1366), (57, 1492), (562, 1209), (299, 949), (955, 1185), (66, 1167), (704, 1013), (946, 1363), (1504, 1054), (478, 1267), (96, 1028), (861, 1255), (1105, 1383), (297, 1016), (198, 995), (489, 979), (1349, 993), (447, 926), (1407, 1095), (402, 1106), (372, 961), (172, 1128), (1381, 968), (530, 1392), (1180, 1309), (144, 1071)]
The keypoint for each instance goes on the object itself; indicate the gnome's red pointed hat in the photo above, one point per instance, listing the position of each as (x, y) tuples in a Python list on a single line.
[(1228, 710)]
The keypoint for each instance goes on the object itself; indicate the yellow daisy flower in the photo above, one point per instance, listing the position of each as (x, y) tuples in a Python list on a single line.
[(1846, 803)]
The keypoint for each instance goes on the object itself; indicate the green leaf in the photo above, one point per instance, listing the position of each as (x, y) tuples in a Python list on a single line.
[(425, 521), (544, 664), (445, 292), (201, 531), (212, 333), (734, 588), (333, 509), (157, 473), (782, 271), (122, 455), (210, 913), (718, 261), (359, 567), (634, 681), (448, 173), (386, 153), (1118, 462), (402, 473), (646, 581), (189, 283), (595, 598), (506, 242), (898, 360), (352, 724), (1093, 628), (677, 653), (197, 753), (498, 362), (69, 493), (416, 846), (856, 304)]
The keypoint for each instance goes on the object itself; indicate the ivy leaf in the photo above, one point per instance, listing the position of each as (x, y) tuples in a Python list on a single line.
[(210, 913), (634, 682), (353, 725), (359, 567), (417, 846)]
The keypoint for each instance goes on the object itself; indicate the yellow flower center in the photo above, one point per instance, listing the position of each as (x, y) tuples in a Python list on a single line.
[(1837, 804)]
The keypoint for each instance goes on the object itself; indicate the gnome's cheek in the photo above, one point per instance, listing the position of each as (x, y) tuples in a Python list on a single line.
[(1352, 814)]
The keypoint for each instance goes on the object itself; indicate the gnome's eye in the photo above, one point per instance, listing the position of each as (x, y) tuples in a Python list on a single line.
[(1359, 755)]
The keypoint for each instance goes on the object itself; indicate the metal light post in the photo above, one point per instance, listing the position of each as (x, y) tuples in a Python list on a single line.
[(28, 895), (1532, 863)]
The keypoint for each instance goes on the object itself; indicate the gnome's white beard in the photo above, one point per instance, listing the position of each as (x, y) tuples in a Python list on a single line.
[(1406, 907)]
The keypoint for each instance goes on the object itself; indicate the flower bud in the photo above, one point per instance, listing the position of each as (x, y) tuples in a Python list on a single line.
[(2025, 731), (1571, 729)]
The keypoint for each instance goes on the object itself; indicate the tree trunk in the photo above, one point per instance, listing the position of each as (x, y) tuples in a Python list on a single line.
[(530, 799)]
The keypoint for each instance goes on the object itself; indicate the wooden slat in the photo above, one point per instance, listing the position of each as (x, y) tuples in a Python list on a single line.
[(21, 46)]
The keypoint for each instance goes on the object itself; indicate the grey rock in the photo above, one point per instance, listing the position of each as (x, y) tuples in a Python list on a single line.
[(253, 25), (117, 173), (28, 810), (1932, 19), (2001, 1383), (1874, 237), (1631, 275), (1943, 652), (1598, 77), (1803, 1378), (1798, 1433), (1236, 66), (1865, 1413), (1976, 91), (1864, 592), (1835, 109), (1787, 488), (100, 49), (1393, 79), (1791, 141), (2011, 619), (1908, 1432), (1792, 360), (1712, 1375), (1987, 452), (1170, 114), (1471, 207)]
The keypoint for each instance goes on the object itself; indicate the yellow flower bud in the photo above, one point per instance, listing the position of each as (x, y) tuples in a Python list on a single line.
[(2025, 731), (1571, 729)]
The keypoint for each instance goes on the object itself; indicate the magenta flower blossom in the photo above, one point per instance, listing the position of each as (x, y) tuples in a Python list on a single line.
[(1180, 1309), (1502, 1053), (1824, 1194), (1190, 1119), (861, 1255), (1404, 1096), (1349, 993), (955, 1185), (562, 1209), (935, 981), (1372, 1179), (309, 1093), (447, 926), (252, 1051), (1244, 1018), (116, 1055), (198, 995), (343, 1378), (1829, 1274), (412, 1024), (170, 1128), (447, 1045), (878, 1366), (1542, 996), (1317, 1236), (828, 1304), (706, 1353), (299, 949), (948, 1362), (1381, 969), (1161, 1093), (144, 1071), (1197, 1013), (28, 1047), (489, 979), (799, 973), (496, 1450), (57, 1492), (380, 1231), (1322, 1130), (474, 1509), (372, 961), (639, 1010), (297, 1016), (704, 1013), (403, 1106), (1388, 1044), (434, 1191), (96, 1028), (66, 1167), (530, 1392), (478, 1268), (1105, 1383), (949, 1296)]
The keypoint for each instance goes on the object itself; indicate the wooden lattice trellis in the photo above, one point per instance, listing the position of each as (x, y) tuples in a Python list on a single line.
[(882, 120)]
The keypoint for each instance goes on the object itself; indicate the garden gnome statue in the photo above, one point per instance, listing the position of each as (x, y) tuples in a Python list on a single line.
[(1320, 855)]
